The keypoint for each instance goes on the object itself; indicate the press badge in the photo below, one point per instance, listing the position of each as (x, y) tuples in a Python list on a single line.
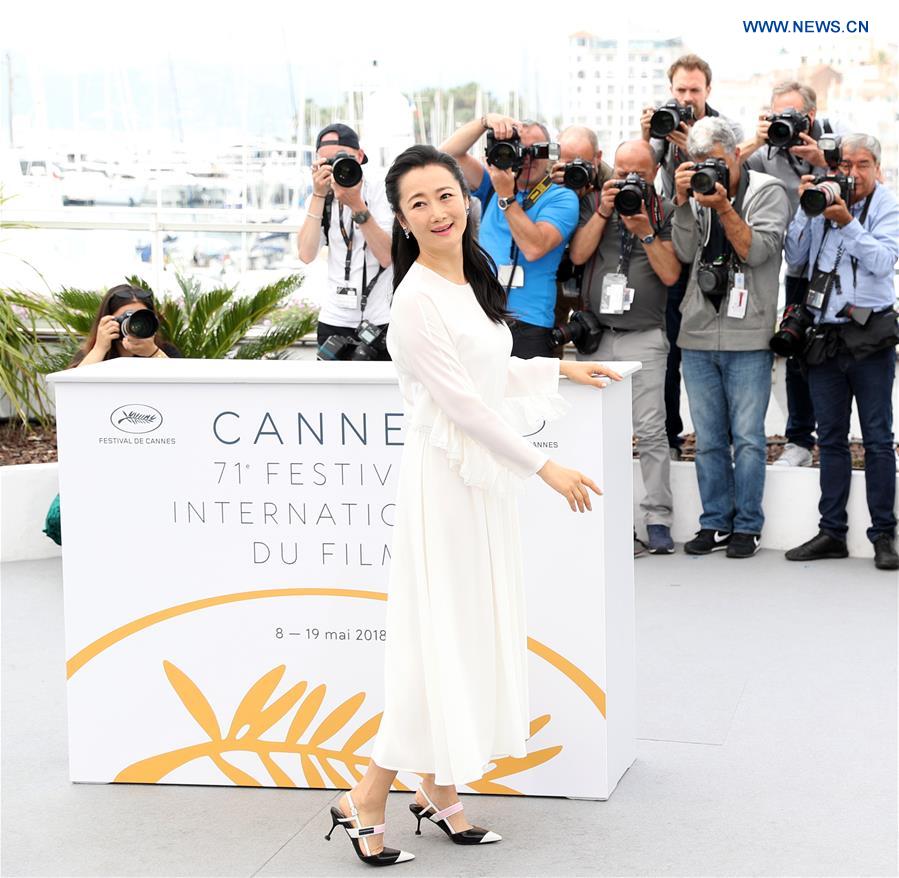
[(628, 298), (613, 290), (348, 297), (739, 296), (818, 288), (505, 274)]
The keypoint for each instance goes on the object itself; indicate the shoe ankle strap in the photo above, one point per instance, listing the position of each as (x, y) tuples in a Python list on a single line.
[(438, 814)]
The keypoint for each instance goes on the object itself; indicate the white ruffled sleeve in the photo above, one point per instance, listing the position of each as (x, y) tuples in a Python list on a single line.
[(532, 393), (471, 431)]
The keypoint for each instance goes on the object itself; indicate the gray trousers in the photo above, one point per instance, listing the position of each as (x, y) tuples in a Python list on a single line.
[(650, 347)]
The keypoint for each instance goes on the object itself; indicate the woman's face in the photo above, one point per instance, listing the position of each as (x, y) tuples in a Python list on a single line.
[(433, 208)]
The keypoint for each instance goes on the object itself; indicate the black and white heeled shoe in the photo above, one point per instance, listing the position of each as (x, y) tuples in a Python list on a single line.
[(431, 812), (359, 835)]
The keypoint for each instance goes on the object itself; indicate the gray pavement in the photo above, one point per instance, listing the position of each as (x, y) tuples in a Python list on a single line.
[(767, 720)]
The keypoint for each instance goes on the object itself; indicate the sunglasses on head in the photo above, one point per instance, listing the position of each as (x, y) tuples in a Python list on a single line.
[(135, 293)]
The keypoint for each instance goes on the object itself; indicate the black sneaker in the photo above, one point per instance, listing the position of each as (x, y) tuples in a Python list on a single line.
[(743, 545), (706, 541), (885, 557), (817, 548)]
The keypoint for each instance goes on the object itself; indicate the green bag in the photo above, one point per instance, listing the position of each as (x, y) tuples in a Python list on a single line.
[(52, 525)]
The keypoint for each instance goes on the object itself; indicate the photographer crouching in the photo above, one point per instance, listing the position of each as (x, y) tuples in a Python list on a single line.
[(526, 219), (847, 231), (350, 215), (730, 223), (624, 243)]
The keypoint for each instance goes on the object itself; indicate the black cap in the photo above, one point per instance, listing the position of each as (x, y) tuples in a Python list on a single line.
[(345, 137)]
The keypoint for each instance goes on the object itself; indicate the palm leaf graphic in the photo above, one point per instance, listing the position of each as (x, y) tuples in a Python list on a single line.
[(255, 699), (306, 713), (255, 715), (194, 700)]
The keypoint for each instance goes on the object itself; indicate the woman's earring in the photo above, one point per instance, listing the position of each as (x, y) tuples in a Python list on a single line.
[(405, 232), (467, 211)]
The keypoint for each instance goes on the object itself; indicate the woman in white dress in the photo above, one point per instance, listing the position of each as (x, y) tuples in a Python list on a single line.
[(456, 692)]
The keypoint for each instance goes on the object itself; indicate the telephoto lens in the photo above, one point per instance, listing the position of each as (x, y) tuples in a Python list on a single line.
[(785, 128), (345, 170), (707, 174), (824, 192), (141, 323), (503, 154)]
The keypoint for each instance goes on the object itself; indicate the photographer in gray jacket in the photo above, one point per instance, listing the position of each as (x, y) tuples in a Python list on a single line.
[(729, 223)]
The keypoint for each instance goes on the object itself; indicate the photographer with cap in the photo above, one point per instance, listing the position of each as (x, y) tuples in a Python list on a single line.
[(729, 223), (786, 146), (624, 243), (666, 128), (350, 215), (526, 220), (846, 232)]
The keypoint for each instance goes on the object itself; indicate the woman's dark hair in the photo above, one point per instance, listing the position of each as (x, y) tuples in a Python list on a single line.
[(112, 301), (478, 267)]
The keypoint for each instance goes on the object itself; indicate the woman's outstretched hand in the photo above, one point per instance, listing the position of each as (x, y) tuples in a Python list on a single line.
[(571, 484), (587, 373)]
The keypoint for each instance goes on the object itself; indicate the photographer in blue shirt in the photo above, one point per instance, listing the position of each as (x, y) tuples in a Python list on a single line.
[(526, 220), (847, 231)]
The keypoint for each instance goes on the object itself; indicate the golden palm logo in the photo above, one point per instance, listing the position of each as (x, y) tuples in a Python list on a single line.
[(308, 738)]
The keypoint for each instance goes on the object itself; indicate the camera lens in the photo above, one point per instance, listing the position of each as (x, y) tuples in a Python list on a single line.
[(503, 156), (576, 177), (780, 132), (347, 172), (816, 200), (141, 324), (712, 279), (704, 182), (663, 122), (629, 200)]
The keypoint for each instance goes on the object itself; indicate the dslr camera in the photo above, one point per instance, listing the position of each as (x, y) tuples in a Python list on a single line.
[(824, 192), (794, 333), (668, 118), (633, 193), (141, 323), (345, 169), (708, 173), (583, 329), (713, 277), (786, 127), (578, 174), (510, 154), (368, 343)]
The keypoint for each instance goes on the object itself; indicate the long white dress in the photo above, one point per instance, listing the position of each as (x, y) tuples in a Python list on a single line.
[(456, 694)]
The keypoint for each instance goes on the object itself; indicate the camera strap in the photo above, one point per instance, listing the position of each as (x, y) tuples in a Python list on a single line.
[(834, 271), (529, 201), (348, 242)]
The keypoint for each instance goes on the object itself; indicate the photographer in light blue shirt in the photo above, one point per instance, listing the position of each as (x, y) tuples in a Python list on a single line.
[(850, 243)]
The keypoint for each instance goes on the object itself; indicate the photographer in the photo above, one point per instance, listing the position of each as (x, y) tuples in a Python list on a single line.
[(691, 83), (526, 221), (350, 215), (580, 168), (624, 242), (786, 146), (729, 222), (850, 246), (126, 325)]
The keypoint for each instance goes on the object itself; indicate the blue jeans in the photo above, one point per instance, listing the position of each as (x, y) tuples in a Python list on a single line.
[(833, 385), (728, 393)]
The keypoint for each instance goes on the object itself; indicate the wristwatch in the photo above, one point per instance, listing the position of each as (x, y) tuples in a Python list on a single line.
[(362, 217), (648, 239), (505, 203)]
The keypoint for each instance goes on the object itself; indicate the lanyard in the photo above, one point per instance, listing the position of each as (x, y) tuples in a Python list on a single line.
[(836, 262), (348, 241), (626, 239), (529, 201)]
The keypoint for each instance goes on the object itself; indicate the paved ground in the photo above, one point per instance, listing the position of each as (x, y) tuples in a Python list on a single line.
[(768, 746)]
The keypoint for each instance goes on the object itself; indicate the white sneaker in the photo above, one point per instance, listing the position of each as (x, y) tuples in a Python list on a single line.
[(794, 455)]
